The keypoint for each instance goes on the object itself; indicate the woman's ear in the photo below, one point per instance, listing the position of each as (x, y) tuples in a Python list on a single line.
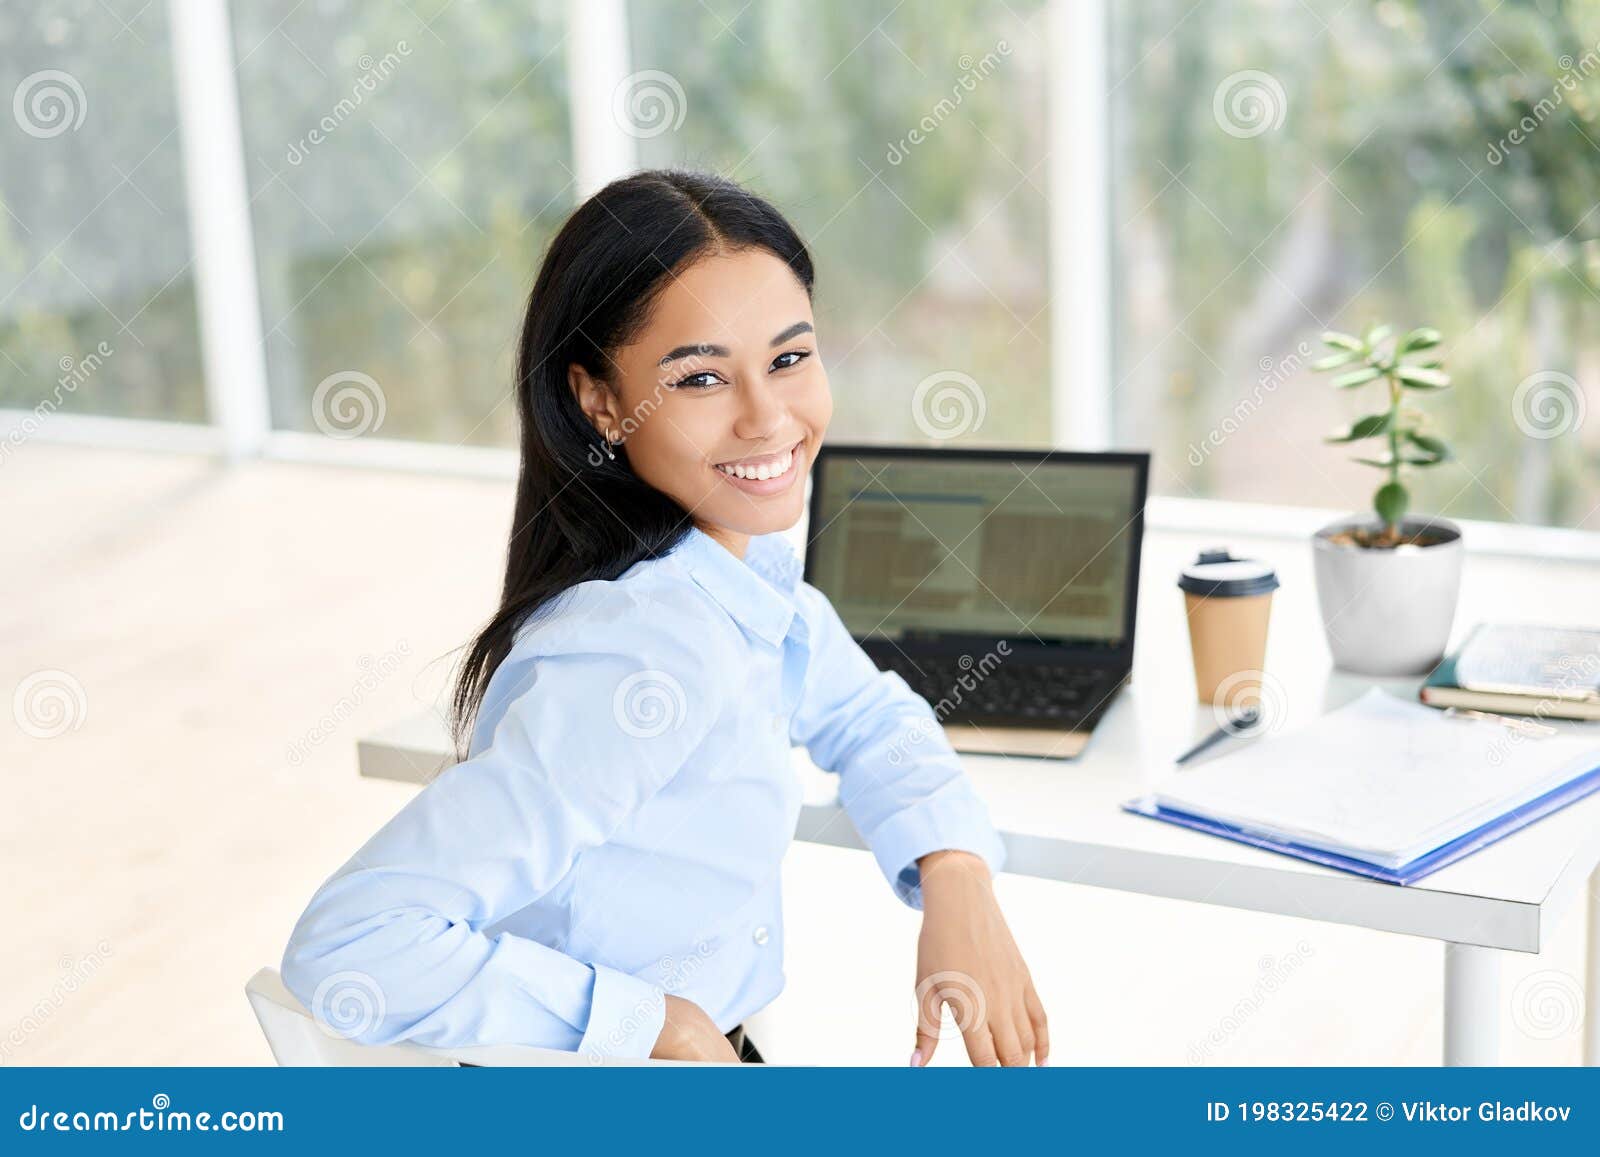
[(597, 402)]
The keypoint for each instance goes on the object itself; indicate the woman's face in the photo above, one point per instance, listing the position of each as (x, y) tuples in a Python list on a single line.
[(721, 399)]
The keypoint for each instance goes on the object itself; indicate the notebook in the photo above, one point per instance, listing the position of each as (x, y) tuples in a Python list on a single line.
[(1552, 672), (1381, 784)]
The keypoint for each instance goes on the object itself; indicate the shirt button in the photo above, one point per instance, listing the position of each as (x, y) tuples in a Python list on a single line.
[(760, 935)]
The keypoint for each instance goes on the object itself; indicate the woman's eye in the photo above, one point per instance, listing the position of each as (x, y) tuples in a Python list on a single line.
[(699, 381), (792, 358)]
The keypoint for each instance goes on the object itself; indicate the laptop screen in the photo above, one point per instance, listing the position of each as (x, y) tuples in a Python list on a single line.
[(1027, 546)]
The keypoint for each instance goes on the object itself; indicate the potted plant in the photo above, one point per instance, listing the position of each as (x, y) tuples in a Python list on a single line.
[(1387, 580)]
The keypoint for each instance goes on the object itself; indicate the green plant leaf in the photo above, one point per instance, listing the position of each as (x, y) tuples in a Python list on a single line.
[(1334, 361), (1356, 377), (1391, 502), (1385, 462), (1343, 341), (1421, 377), (1368, 426), (1377, 333), (1419, 339), (1434, 448)]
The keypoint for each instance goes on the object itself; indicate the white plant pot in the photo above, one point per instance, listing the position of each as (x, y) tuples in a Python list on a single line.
[(1388, 612)]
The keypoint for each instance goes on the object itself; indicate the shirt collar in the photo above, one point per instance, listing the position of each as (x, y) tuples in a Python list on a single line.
[(757, 591)]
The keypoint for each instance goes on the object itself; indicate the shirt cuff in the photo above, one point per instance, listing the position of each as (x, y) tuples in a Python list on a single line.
[(626, 1015), (956, 824)]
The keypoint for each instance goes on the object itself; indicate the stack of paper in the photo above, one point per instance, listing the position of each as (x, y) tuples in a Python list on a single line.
[(1382, 781)]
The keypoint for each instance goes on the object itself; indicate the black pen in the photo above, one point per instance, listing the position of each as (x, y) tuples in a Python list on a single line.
[(1241, 722)]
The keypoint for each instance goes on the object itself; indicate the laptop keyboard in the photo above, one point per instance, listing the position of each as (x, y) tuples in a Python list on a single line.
[(1010, 694)]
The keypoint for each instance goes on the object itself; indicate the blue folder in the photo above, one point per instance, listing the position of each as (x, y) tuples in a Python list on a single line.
[(1409, 873)]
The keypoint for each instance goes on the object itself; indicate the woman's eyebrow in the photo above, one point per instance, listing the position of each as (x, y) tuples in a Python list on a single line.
[(707, 350), (698, 349), (794, 330)]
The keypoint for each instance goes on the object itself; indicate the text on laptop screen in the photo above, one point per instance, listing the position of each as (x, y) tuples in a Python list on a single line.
[(976, 546)]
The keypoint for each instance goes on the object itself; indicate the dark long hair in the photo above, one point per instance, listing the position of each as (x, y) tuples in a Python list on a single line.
[(600, 278)]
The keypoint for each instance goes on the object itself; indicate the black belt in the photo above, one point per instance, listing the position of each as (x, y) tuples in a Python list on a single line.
[(744, 1046)]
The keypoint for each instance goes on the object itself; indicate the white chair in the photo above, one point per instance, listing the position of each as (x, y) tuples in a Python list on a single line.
[(297, 1039)]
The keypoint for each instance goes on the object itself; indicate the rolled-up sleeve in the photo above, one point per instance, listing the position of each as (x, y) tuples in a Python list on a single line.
[(394, 946), (900, 781)]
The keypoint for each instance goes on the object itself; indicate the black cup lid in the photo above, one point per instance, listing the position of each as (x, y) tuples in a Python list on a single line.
[(1216, 573)]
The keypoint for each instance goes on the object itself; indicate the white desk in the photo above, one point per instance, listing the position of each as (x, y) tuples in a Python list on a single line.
[(1061, 820)]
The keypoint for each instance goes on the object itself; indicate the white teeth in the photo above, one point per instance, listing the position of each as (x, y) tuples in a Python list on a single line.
[(762, 472)]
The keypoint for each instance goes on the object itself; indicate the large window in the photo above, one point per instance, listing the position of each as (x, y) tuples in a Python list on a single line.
[(907, 143), (1284, 168), (407, 166), (971, 175), (97, 308)]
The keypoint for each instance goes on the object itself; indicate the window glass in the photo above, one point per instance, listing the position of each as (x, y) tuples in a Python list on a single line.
[(97, 308), (907, 144), (408, 164), (1283, 168)]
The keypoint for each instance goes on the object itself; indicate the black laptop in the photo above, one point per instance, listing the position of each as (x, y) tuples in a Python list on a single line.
[(1000, 584)]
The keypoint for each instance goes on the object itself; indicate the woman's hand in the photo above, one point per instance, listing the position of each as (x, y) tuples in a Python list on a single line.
[(966, 958), (690, 1035)]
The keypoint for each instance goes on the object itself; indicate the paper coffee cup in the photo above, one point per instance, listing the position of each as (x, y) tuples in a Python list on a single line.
[(1228, 602)]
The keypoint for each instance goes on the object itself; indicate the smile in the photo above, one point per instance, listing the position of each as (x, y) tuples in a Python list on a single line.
[(766, 473)]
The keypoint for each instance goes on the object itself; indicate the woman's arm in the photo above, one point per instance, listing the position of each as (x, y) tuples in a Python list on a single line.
[(899, 780), (902, 785), (393, 946)]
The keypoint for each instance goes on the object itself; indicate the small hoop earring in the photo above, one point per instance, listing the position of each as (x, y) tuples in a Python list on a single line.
[(608, 443)]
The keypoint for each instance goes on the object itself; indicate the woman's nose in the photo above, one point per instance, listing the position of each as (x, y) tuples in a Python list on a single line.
[(761, 412)]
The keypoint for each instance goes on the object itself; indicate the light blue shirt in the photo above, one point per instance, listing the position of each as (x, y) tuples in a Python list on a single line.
[(617, 832)]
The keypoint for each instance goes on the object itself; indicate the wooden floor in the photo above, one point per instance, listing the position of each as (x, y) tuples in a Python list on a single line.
[(230, 630)]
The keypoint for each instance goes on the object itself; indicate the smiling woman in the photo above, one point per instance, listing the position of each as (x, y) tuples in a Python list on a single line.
[(637, 375), (601, 873)]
